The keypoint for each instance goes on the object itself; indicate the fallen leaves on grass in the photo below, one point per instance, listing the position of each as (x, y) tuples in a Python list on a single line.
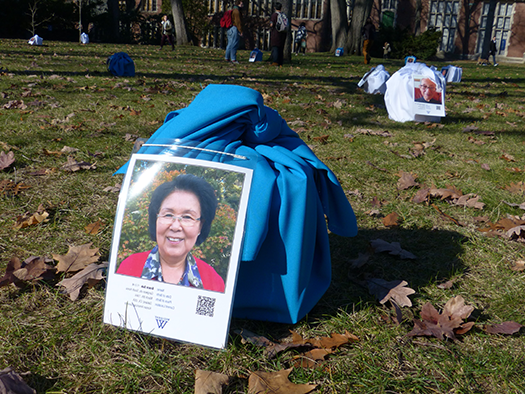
[(393, 248), (261, 382), (395, 290), (77, 258), (12, 383), (391, 220), (6, 159), (450, 194), (72, 165), (518, 265), (8, 187), (208, 382), (90, 275), (406, 180), (94, 228), (31, 269), (511, 227), (507, 328), (26, 220), (447, 324), (518, 187)]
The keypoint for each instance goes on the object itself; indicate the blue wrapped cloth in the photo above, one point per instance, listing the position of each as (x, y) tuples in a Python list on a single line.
[(285, 264)]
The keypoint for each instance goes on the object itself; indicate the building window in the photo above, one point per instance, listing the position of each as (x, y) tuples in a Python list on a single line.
[(443, 16), (388, 12), (500, 28), (149, 5)]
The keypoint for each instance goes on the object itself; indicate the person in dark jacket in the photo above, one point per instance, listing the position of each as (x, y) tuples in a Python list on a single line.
[(493, 50), (368, 31), (277, 38)]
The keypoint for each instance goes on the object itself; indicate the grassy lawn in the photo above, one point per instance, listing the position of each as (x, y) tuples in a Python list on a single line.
[(61, 95)]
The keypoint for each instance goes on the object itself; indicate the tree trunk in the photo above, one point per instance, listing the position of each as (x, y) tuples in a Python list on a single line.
[(417, 18), (339, 23), (287, 9), (488, 29), (114, 13), (179, 22), (466, 27), (361, 12)]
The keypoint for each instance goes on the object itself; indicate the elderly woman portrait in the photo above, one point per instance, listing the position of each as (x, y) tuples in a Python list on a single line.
[(429, 94), (180, 215)]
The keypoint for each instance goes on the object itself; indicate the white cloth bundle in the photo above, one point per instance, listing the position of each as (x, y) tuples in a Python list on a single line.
[(399, 96), (84, 38), (374, 81), (35, 40), (452, 73)]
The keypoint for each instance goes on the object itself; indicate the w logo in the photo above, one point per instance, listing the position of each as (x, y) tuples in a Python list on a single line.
[(161, 321)]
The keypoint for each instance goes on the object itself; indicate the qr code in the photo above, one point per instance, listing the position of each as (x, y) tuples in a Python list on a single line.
[(205, 306), (438, 107)]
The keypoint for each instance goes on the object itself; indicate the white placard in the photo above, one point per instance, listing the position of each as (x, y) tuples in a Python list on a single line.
[(429, 99), (174, 311)]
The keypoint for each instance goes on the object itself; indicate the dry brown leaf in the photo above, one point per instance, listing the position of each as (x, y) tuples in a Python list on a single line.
[(507, 157), (12, 383), (518, 265), (113, 189), (73, 165), (6, 159), (68, 149), (261, 382), (393, 248), (362, 259), (208, 382), (90, 275), (517, 233), (391, 220), (421, 195), (518, 187), (33, 268), (94, 228), (446, 324), (507, 327), (77, 258), (395, 290), (406, 180), (40, 216), (11, 188)]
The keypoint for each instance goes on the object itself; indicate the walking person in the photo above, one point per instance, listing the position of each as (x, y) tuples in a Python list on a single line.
[(368, 31), (300, 39), (277, 37), (234, 33), (493, 50), (167, 32)]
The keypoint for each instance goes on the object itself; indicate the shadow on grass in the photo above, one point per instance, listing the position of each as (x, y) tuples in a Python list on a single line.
[(438, 259)]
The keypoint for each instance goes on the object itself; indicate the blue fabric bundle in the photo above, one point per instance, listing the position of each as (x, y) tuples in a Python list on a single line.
[(121, 65), (285, 267)]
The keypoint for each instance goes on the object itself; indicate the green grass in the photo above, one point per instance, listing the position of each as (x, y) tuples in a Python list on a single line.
[(64, 347)]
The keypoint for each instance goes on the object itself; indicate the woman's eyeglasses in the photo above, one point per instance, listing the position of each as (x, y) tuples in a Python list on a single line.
[(184, 220)]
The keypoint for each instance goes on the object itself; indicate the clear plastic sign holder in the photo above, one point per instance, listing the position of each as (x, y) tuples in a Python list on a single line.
[(175, 311)]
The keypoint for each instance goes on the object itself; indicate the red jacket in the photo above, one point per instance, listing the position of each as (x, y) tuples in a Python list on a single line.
[(134, 264)]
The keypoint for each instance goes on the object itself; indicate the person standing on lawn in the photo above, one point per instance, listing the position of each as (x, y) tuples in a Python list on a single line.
[(493, 50), (277, 38), (234, 33), (368, 31), (167, 32)]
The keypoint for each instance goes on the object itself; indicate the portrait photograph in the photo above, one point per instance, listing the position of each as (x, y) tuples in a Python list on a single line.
[(429, 97), (176, 247)]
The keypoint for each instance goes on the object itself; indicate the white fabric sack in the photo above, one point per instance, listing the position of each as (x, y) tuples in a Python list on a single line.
[(452, 73), (399, 96), (374, 81), (35, 40), (84, 38)]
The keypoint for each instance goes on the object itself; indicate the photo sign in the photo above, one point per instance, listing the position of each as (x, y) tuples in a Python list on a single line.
[(429, 99), (176, 248)]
